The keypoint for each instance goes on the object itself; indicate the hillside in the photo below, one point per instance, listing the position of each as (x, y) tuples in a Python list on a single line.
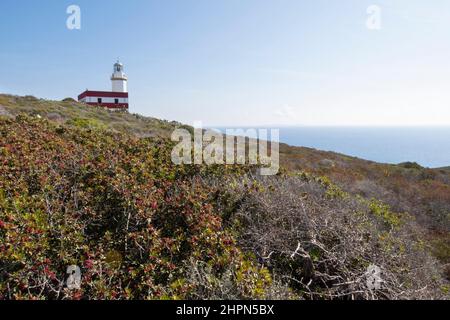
[(80, 115), (423, 192), (84, 186)]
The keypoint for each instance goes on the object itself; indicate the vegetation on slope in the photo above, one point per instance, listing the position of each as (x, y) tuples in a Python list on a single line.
[(112, 202), (70, 112), (115, 206), (422, 192)]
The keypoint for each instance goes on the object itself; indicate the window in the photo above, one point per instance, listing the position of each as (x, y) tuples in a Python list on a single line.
[(99, 100), (116, 101)]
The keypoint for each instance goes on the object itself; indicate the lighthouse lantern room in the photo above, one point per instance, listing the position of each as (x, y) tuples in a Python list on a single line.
[(117, 99), (119, 79)]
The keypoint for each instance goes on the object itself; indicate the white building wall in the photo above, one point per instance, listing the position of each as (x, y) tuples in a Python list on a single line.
[(119, 86), (104, 100)]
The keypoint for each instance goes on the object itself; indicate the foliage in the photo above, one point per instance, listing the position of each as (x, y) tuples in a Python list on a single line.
[(408, 188), (87, 123), (97, 189), (322, 247), (73, 113), (113, 205)]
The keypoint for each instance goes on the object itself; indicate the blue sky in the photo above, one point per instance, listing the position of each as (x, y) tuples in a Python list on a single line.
[(239, 62)]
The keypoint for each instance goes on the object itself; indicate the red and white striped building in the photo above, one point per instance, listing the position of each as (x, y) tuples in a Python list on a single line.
[(117, 99)]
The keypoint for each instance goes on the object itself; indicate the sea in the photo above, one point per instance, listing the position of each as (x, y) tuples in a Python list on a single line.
[(427, 146)]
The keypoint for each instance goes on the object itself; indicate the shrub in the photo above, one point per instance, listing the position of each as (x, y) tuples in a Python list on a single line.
[(113, 205), (140, 227), (322, 247)]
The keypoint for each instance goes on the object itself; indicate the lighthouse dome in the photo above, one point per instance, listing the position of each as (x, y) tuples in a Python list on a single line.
[(118, 67)]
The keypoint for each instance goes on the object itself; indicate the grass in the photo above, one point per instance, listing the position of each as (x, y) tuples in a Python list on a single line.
[(79, 114)]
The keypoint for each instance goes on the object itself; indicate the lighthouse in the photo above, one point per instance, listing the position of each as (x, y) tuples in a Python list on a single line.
[(119, 79), (117, 99)]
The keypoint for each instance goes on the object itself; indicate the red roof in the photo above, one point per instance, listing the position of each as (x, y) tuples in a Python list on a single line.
[(103, 94)]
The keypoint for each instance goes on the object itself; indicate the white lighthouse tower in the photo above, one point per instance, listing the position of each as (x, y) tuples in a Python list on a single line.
[(117, 99), (119, 79)]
